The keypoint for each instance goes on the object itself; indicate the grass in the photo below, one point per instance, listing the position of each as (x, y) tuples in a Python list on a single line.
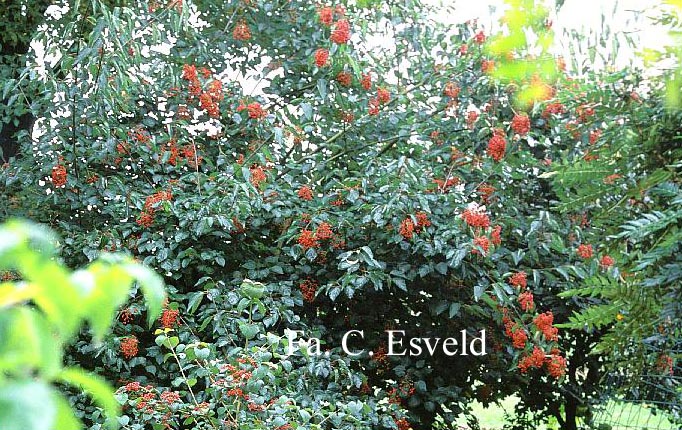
[(617, 415)]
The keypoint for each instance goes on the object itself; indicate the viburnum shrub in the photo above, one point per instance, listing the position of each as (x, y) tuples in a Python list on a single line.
[(342, 192)]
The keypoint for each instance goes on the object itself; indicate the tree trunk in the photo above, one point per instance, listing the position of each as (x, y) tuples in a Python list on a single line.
[(570, 407)]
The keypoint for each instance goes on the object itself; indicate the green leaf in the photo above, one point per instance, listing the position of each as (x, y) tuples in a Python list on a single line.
[(322, 88), (28, 341), (27, 406), (252, 290), (249, 330), (454, 309), (97, 388), (105, 288), (66, 420), (152, 288), (194, 301), (28, 248)]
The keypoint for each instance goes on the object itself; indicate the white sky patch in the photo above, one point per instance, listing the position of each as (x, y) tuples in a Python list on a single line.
[(586, 18), (56, 12)]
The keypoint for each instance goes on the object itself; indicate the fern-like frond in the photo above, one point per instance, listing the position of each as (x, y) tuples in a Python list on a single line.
[(648, 224), (592, 318), (595, 286), (580, 173)]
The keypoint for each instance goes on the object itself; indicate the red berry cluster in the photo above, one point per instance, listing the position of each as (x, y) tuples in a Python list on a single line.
[(526, 301), (444, 185), (472, 117), (402, 424), (321, 57), (496, 235), (129, 347), (553, 109), (554, 362), (307, 239), (517, 331), (519, 280), (326, 15), (255, 110), (344, 78), (486, 191), (497, 145), (149, 401), (308, 288), (169, 318), (514, 331), (347, 117), (584, 113), (258, 175), (451, 90), (170, 397), (59, 175), (533, 360), (664, 364), (234, 379), (482, 242), (544, 322), (408, 227), (187, 152), (521, 124), (210, 98), (305, 193), (397, 395), (380, 356), (479, 37), (146, 218), (140, 135), (373, 107), (324, 232), (606, 261), (595, 135), (341, 32), (611, 179), (241, 31), (585, 251), (475, 217), (366, 81), (383, 96), (126, 316)]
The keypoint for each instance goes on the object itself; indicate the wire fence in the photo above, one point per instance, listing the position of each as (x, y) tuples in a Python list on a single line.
[(651, 400)]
